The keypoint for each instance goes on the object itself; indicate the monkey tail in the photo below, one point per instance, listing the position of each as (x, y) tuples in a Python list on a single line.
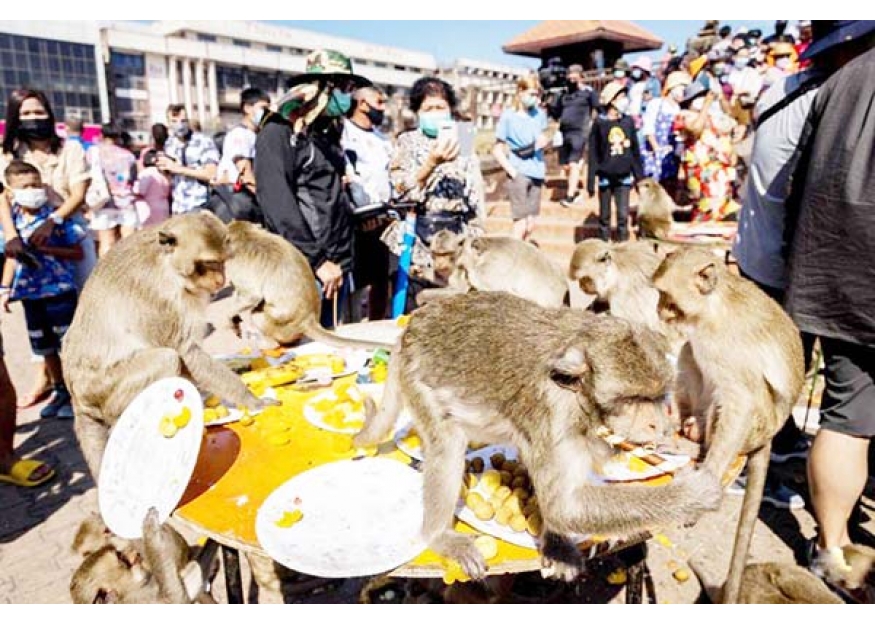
[(378, 423), (316, 332)]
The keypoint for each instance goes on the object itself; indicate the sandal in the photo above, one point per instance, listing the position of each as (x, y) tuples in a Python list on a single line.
[(21, 473)]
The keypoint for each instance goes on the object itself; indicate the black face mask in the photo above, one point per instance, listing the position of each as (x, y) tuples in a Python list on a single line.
[(36, 129), (376, 117)]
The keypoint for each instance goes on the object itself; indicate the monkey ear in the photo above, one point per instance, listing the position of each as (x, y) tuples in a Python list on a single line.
[(568, 366), (167, 240), (706, 278)]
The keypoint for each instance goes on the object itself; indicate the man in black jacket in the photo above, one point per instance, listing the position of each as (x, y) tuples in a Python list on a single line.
[(300, 167), (575, 111)]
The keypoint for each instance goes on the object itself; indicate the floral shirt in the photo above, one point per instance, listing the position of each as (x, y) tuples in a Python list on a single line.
[(190, 194), (455, 186), (54, 276)]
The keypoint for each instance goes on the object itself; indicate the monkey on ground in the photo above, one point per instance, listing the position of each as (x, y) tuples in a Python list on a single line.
[(495, 264), (655, 210), (742, 370), (141, 318), (274, 281), (497, 369), (160, 568)]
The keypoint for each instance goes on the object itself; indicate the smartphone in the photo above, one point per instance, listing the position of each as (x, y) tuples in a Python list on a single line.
[(465, 134), (447, 131)]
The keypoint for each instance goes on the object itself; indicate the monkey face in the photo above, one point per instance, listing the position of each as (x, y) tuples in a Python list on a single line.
[(648, 187), (686, 281), (197, 247), (107, 576), (444, 263), (593, 268)]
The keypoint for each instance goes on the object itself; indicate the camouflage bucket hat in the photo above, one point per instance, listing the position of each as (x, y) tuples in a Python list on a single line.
[(322, 66)]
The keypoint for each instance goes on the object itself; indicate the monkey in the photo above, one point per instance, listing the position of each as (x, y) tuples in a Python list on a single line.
[(741, 368), (775, 583), (273, 280), (619, 276), (655, 210), (158, 569), (496, 264), (498, 369), (141, 318)]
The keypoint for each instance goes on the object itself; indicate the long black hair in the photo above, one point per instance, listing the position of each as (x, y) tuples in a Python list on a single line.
[(13, 118)]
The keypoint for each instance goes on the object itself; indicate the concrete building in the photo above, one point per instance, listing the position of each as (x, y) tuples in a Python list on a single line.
[(484, 89)]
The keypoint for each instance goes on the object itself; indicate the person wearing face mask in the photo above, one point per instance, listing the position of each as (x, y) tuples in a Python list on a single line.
[(32, 138), (429, 169), (191, 158), (745, 81), (575, 111), (660, 148), (614, 160), (42, 278), (368, 154), (781, 61), (299, 173), (519, 149), (643, 89), (709, 161), (233, 193)]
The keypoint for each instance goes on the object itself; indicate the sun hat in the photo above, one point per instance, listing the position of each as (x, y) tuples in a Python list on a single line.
[(610, 92), (693, 91), (328, 65), (644, 63), (674, 79)]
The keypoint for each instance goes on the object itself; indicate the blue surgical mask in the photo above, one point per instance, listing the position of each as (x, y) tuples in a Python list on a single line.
[(529, 101), (637, 74), (619, 73), (338, 104), (741, 62), (257, 116), (430, 122)]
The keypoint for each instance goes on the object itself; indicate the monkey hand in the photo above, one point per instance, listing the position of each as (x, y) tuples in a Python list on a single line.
[(560, 558), (699, 491), (254, 403), (460, 547)]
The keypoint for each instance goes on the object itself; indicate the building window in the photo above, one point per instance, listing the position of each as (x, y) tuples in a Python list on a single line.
[(229, 77), (207, 38), (64, 71), (241, 44), (271, 48), (380, 64)]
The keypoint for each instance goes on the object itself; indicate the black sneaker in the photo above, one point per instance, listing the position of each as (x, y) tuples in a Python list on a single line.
[(59, 406), (568, 202)]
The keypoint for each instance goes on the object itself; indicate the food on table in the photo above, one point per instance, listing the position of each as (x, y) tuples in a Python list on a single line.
[(341, 408), (289, 519), (412, 440), (259, 363), (182, 419), (274, 353), (216, 413), (321, 361), (273, 376), (278, 439), (487, 546), (212, 402), (167, 427), (617, 577), (681, 575)]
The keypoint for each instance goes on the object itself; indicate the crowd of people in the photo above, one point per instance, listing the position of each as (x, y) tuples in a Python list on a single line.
[(721, 126)]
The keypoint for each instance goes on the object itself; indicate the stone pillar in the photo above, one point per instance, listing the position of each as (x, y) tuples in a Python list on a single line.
[(186, 86), (173, 80), (199, 90), (213, 89)]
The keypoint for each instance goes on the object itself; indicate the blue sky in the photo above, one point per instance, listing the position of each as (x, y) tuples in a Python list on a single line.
[(448, 40)]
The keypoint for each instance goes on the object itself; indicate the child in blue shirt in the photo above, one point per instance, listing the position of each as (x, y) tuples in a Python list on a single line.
[(43, 278)]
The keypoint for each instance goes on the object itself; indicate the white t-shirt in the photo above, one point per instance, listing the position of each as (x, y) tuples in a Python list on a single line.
[(761, 223), (239, 143), (368, 164)]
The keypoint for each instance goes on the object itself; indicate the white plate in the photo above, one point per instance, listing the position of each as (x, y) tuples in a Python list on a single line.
[(361, 517), (141, 468), (493, 527), (317, 418), (235, 414), (355, 359), (405, 426), (619, 471)]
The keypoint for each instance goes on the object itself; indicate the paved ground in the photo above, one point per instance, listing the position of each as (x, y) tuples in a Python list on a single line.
[(37, 525)]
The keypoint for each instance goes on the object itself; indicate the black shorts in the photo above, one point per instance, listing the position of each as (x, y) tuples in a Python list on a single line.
[(371, 259), (848, 405), (47, 321), (573, 146)]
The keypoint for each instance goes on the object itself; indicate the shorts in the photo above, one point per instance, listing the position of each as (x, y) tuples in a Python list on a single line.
[(109, 218), (573, 146), (47, 321), (848, 405), (370, 259), (525, 196)]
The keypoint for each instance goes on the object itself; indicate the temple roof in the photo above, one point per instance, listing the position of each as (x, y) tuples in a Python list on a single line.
[(557, 33)]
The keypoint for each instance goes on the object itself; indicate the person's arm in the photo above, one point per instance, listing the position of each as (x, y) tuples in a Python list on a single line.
[(276, 192), (13, 242), (593, 158), (648, 126), (695, 125), (637, 167), (501, 150), (6, 284), (73, 252)]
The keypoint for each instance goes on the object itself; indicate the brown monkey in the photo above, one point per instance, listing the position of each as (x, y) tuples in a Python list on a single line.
[(158, 569), (140, 318), (274, 281), (619, 276), (742, 369), (776, 583), (498, 264), (655, 210), (494, 368)]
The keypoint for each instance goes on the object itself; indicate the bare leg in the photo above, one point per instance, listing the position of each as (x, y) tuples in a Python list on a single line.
[(105, 240), (53, 366), (758, 464), (41, 385), (519, 229), (573, 178), (837, 470), (7, 418)]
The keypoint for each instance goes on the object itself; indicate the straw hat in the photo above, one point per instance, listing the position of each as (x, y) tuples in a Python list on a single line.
[(610, 92), (674, 79)]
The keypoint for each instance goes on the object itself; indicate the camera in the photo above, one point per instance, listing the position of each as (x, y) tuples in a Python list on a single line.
[(553, 76)]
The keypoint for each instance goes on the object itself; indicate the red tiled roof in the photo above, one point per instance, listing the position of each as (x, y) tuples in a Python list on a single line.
[(555, 33)]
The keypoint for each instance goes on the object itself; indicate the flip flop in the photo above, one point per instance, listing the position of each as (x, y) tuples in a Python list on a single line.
[(21, 471)]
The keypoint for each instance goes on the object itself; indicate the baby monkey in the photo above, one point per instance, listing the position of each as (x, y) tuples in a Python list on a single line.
[(497, 369)]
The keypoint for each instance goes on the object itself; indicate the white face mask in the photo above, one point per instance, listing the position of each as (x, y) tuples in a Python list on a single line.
[(783, 62), (30, 198), (621, 104), (677, 93)]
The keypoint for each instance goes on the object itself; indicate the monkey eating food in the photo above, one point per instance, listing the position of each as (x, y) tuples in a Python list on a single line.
[(274, 281), (497, 369), (141, 318), (495, 264), (742, 371)]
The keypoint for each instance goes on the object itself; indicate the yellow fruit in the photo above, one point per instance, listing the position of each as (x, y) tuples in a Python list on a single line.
[(323, 405), (490, 481), (617, 578), (402, 321), (681, 575), (259, 363), (167, 427), (637, 465), (534, 524), (474, 500), (503, 516), (521, 494), (247, 420), (512, 503), (518, 523), (274, 353), (210, 415), (413, 441), (487, 546), (484, 512), (530, 508), (501, 494), (471, 481), (212, 401), (663, 540), (289, 518), (182, 419), (379, 374)]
